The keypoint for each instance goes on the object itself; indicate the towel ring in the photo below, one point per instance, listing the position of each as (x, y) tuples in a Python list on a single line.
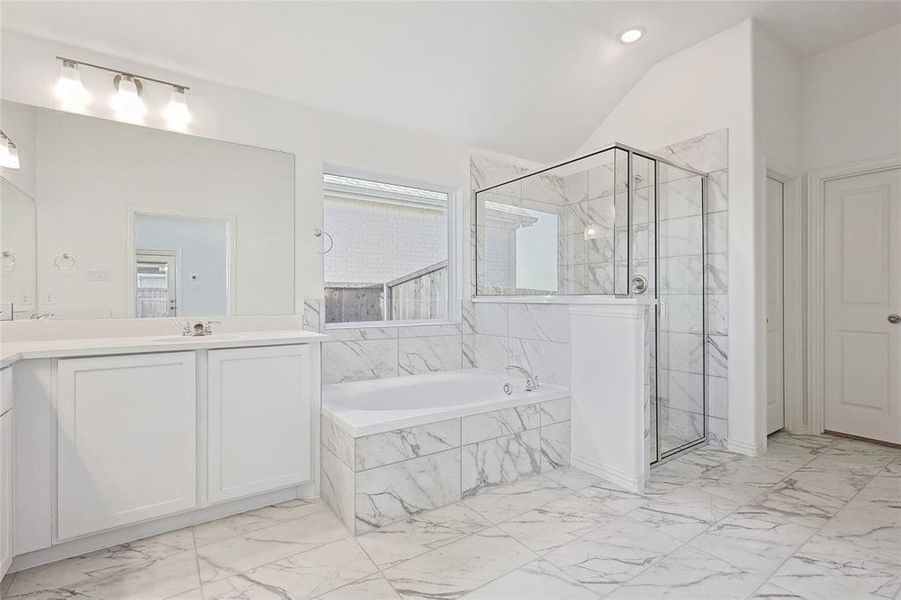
[(64, 261), (9, 260), (328, 242)]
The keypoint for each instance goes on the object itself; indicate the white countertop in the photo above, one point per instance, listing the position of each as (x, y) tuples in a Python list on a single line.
[(12, 352)]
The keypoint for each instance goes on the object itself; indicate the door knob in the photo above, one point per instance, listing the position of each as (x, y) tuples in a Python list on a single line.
[(894, 319)]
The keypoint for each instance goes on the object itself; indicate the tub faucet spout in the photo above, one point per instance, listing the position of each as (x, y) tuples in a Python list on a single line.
[(531, 380)]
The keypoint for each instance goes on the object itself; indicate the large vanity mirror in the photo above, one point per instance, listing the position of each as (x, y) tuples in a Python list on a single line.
[(108, 220)]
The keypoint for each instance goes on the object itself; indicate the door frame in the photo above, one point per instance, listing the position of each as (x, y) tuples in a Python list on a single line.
[(815, 409), (792, 293)]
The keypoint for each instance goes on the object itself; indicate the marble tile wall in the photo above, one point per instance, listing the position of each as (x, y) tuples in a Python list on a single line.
[(682, 271), (359, 353), (376, 480)]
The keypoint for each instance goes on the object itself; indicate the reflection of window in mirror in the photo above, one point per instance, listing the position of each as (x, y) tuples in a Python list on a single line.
[(521, 246), (389, 261), (181, 266)]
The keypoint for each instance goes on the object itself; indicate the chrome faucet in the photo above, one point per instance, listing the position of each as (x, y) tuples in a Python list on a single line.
[(199, 328), (531, 380), (41, 316)]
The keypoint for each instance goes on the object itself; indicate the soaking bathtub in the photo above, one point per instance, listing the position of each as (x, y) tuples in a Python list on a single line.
[(392, 448)]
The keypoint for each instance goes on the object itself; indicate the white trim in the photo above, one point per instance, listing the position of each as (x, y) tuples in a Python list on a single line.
[(792, 292), (816, 182), (629, 481), (746, 448), (231, 283)]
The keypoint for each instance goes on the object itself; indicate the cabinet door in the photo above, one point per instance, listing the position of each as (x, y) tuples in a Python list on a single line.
[(126, 442), (6, 495), (259, 409)]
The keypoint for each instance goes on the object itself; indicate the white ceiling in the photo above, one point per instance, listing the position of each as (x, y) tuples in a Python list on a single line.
[(532, 79)]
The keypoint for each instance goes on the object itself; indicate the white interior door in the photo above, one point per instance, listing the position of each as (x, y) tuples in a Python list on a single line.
[(862, 354), (775, 393)]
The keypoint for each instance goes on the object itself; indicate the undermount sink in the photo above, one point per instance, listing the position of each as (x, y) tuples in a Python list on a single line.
[(176, 339)]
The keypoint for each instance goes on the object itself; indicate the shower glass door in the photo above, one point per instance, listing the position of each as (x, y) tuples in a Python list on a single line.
[(680, 415)]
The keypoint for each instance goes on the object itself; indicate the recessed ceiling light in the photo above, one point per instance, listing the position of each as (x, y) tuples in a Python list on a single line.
[(631, 35)]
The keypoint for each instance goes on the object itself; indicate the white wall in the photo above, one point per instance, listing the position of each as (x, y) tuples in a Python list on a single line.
[(705, 88), (227, 113), (851, 101)]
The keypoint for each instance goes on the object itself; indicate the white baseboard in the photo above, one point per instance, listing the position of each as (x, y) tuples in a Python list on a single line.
[(629, 481), (139, 531), (746, 448)]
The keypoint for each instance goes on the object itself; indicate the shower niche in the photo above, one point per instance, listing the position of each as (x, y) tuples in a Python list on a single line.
[(618, 222)]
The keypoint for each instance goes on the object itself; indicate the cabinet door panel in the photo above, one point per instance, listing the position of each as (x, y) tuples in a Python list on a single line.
[(259, 436), (126, 443)]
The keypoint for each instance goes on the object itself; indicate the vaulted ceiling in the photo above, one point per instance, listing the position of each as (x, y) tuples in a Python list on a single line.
[(527, 78)]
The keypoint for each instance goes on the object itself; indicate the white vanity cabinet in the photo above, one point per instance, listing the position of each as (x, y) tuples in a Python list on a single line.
[(259, 419), (126, 440), (118, 440)]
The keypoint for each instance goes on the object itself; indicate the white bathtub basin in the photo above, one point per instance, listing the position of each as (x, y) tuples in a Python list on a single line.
[(379, 405)]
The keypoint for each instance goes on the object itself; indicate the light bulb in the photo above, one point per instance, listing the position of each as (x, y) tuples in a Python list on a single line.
[(69, 89), (631, 35), (177, 114), (127, 100), (9, 157)]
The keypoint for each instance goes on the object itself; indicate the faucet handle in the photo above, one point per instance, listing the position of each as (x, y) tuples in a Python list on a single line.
[(208, 327), (185, 327)]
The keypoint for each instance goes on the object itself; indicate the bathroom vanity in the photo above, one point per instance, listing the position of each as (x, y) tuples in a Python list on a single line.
[(116, 439)]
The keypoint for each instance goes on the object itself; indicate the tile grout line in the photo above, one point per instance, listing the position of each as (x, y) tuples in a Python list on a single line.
[(197, 564)]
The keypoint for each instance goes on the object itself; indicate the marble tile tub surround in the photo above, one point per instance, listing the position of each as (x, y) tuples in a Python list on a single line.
[(375, 480), (489, 336), (374, 352), (813, 518)]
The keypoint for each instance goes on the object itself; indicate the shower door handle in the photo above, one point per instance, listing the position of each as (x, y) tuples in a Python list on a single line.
[(639, 284)]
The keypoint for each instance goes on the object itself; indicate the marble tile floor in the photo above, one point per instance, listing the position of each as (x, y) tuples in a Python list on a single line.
[(815, 517)]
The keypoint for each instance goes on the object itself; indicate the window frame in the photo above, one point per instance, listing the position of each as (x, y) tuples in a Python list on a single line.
[(454, 213)]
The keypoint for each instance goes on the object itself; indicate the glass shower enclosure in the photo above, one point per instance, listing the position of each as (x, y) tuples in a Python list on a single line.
[(617, 222)]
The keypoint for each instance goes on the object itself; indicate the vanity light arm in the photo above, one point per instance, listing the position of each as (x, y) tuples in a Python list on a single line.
[(121, 72)]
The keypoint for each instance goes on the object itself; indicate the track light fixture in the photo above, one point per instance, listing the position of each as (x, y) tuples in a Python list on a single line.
[(127, 101)]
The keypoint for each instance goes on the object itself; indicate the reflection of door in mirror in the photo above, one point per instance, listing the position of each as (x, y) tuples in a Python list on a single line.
[(181, 265), (155, 281)]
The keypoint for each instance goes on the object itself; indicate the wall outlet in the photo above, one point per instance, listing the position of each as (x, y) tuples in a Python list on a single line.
[(98, 275), (47, 298)]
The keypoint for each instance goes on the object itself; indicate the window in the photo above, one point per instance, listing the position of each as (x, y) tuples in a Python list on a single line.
[(389, 261)]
